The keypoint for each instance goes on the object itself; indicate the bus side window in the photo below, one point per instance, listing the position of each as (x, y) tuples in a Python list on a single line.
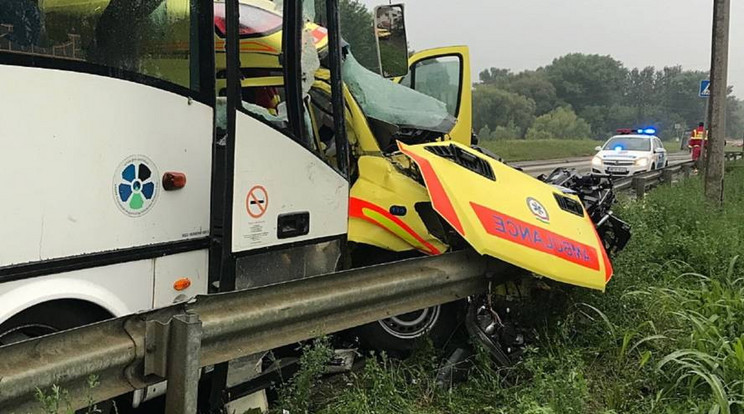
[(150, 38), (20, 24), (324, 131)]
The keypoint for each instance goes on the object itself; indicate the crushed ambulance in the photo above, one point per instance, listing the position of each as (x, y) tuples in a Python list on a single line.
[(419, 185)]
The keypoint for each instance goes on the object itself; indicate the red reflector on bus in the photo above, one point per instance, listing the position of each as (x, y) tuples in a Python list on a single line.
[(182, 284), (174, 181)]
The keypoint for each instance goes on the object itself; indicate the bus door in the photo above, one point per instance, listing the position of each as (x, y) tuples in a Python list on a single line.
[(286, 201), (281, 204)]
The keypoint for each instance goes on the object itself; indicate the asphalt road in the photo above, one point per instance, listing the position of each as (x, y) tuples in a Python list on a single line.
[(582, 165)]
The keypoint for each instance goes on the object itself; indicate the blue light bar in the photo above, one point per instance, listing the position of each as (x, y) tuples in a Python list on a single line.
[(649, 131)]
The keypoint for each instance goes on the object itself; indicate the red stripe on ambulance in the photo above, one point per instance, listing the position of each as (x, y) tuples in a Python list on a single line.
[(536, 238), (439, 198)]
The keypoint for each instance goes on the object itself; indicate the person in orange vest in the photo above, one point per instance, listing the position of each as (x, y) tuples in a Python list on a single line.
[(698, 138)]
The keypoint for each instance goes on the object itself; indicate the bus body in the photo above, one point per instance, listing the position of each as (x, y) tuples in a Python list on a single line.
[(122, 191), (97, 107)]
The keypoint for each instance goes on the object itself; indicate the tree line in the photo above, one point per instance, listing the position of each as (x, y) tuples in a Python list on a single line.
[(590, 96)]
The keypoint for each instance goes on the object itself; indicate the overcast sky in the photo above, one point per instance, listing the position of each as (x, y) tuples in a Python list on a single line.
[(526, 34)]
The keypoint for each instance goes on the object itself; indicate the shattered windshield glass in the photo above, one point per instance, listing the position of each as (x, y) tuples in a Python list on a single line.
[(396, 104)]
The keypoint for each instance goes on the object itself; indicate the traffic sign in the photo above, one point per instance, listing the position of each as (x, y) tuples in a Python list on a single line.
[(704, 88)]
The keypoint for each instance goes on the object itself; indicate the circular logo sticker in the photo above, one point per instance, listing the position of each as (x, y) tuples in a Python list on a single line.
[(136, 185), (538, 210)]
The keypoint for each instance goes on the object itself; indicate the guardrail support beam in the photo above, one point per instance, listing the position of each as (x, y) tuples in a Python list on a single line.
[(639, 185), (183, 364), (686, 170), (667, 175)]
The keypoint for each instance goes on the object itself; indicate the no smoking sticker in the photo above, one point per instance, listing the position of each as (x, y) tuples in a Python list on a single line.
[(257, 201)]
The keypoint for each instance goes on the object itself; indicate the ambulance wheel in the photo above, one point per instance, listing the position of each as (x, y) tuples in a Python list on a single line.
[(403, 333)]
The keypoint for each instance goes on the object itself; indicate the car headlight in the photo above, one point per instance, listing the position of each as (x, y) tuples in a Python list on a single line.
[(641, 162), (597, 162)]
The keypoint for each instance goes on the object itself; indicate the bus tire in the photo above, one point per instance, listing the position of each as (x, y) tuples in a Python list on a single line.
[(50, 317), (55, 316)]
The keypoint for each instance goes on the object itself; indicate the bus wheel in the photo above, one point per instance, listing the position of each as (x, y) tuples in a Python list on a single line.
[(49, 317)]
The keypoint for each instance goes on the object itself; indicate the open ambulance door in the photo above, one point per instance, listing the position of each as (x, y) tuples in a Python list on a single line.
[(444, 73)]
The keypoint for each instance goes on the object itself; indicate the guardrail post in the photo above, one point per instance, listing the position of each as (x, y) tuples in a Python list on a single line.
[(639, 185), (686, 170), (183, 364), (667, 175)]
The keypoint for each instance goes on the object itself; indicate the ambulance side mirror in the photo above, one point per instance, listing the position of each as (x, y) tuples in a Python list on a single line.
[(392, 43)]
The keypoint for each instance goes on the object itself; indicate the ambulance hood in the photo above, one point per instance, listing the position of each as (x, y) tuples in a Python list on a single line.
[(506, 214)]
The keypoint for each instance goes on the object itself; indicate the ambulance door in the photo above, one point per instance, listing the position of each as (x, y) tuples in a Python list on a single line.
[(444, 74)]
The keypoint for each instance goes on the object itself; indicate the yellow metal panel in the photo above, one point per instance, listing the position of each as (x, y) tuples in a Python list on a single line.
[(366, 232), (514, 217), (379, 187)]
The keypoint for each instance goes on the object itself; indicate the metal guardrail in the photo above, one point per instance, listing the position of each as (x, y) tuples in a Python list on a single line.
[(642, 182), (132, 352), (734, 155)]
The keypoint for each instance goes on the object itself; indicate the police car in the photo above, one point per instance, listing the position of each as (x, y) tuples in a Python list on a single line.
[(630, 152)]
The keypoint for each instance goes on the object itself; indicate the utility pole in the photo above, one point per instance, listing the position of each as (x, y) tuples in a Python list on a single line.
[(717, 102)]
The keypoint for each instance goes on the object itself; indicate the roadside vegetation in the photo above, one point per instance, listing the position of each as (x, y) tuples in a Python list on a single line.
[(666, 337), (590, 96), (56, 400), (543, 149)]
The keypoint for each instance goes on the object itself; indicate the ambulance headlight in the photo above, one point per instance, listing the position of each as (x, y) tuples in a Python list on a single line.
[(597, 162), (641, 162)]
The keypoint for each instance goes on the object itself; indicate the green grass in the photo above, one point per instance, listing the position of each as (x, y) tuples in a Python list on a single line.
[(666, 337), (528, 150)]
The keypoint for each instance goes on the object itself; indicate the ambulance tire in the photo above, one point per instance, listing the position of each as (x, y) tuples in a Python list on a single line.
[(401, 334)]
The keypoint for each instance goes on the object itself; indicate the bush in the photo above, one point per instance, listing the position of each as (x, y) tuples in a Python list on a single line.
[(560, 123), (509, 132)]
